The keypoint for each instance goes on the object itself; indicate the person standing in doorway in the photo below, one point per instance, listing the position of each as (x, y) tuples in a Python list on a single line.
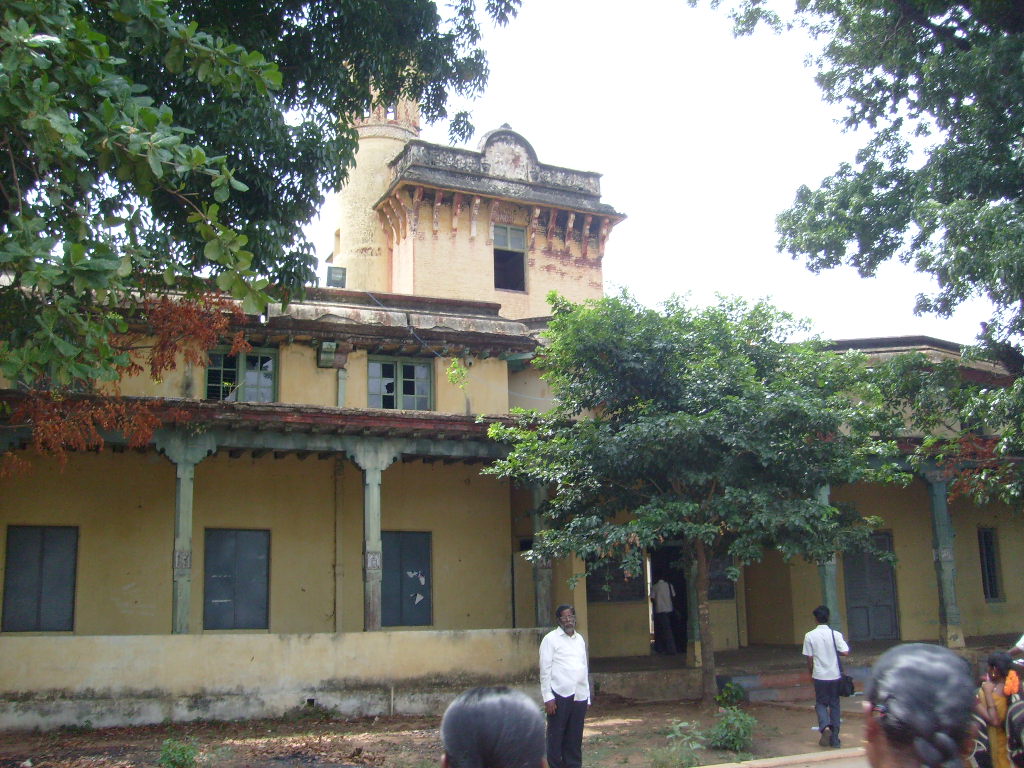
[(822, 648), (565, 689), (662, 594)]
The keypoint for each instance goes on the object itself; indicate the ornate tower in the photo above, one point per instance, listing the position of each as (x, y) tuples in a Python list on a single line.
[(360, 243)]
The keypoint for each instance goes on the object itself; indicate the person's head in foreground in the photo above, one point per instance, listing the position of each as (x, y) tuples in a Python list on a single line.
[(919, 703), (493, 728)]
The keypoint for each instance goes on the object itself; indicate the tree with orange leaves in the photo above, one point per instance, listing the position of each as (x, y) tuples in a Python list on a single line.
[(158, 160)]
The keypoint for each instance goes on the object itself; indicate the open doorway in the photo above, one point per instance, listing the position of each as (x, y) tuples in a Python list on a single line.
[(669, 563)]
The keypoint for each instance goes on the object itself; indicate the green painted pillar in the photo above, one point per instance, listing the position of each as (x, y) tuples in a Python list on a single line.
[(950, 632), (185, 451), (541, 570), (828, 573), (373, 457)]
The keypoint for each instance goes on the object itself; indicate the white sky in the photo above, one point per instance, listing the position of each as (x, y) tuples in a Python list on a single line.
[(701, 138)]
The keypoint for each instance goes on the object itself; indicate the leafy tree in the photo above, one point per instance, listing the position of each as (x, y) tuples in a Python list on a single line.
[(937, 85), (176, 147), (705, 425)]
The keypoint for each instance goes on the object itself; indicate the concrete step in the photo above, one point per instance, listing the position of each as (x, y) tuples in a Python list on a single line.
[(786, 685)]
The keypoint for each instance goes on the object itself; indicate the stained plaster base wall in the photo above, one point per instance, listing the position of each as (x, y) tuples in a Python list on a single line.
[(52, 681)]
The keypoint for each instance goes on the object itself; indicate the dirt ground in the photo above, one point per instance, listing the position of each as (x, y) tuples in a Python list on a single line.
[(619, 733)]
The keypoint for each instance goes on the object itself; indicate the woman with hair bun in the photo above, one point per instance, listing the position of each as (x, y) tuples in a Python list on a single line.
[(495, 727), (993, 702), (920, 701)]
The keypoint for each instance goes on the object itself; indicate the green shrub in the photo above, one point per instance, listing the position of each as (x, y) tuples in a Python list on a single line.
[(731, 695), (671, 757), (684, 741), (734, 730), (178, 754)]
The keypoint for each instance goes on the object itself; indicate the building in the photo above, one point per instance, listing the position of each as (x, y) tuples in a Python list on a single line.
[(311, 524)]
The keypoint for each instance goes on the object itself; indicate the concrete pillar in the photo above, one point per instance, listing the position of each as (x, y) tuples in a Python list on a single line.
[(828, 573), (943, 535), (185, 451), (373, 457), (541, 570)]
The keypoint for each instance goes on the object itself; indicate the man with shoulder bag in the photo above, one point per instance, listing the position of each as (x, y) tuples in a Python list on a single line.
[(822, 648)]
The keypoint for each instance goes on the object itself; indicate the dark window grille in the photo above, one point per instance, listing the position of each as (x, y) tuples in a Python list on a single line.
[(607, 582)]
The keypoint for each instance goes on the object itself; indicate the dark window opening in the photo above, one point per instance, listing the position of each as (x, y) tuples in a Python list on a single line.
[(39, 578), (607, 582), (236, 579), (988, 549), (509, 258)]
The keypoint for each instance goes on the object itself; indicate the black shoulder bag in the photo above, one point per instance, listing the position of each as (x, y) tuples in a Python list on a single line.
[(845, 681)]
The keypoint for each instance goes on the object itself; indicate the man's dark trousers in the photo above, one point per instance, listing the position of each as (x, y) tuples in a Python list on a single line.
[(826, 705), (664, 641), (565, 733)]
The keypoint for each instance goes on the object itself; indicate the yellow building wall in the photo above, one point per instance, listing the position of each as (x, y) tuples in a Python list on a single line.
[(806, 590), (132, 679), (125, 534), (469, 519), (526, 389), (521, 501), (905, 513), (524, 586), (978, 616), (725, 624), (619, 628), (349, 495), (293, 499), (567, 591), (484, 389), (423, 263), (300, 381), (769, 601), (356, 372), (185, 380)]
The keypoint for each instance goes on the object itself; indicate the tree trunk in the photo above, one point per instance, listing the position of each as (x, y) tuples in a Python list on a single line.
[(709, 687)]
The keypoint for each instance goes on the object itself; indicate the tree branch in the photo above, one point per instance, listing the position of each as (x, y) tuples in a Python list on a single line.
[(918, 17)]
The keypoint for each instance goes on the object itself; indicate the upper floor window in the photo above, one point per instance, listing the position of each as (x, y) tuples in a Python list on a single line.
[(509, 257), (399, 384), (245, 378)]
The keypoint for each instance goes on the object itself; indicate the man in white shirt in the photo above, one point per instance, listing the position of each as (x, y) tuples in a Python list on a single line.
[(822, 647), (661, 596), (565, 689)]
